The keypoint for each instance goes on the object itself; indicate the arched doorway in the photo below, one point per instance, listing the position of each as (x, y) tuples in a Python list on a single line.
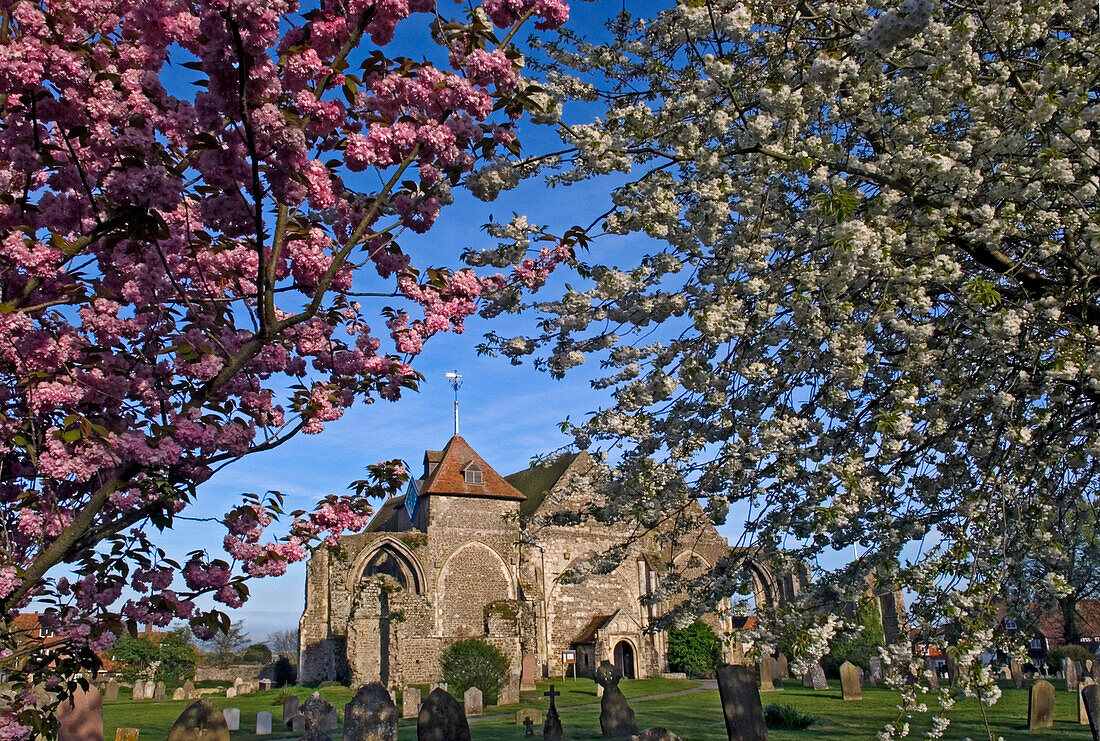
[(624, 659)]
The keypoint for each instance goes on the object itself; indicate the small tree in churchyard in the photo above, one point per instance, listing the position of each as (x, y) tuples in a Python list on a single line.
[(694, 649), (257, 653), (194, 197), (284, 643), (474, 663), (284, 671)]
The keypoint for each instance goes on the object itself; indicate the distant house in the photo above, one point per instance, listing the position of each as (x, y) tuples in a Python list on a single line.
[(1048, 631)]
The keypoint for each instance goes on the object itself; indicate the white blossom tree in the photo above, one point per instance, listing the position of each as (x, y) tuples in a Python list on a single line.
[(869, 310)]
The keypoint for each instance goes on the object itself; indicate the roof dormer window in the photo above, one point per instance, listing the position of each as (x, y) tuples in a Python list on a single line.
[(473, 474)]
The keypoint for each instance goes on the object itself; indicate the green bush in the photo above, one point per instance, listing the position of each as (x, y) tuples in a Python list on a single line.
[(257, 653), (1072, 651), (174, 657), (474, 663), (285, 674), (860, 648), (785, 717), (694, 650)]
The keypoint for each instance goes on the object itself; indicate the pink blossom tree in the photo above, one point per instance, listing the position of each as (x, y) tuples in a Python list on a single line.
[(179, 263)]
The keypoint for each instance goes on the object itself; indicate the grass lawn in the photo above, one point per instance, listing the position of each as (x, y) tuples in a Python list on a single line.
[(694, 717)]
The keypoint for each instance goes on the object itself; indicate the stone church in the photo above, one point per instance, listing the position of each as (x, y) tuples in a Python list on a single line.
[(458, 556)]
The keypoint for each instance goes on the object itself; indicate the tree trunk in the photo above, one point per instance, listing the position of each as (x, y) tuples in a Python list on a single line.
[(1068, 607)]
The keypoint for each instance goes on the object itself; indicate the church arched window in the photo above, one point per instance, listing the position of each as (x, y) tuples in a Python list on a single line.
[(388, 561)]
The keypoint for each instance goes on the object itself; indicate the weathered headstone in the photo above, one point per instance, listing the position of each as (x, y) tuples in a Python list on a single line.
[(527, 673), (783, 668), (319, 713), (112, 690), (263, 723), (178, 694), (265, 685), (815, 677), (410, 702), (138, 691), (298, 723), (509, 692), (1040, 705), (1082, 714), (371, 715), (1017, 674), (741, 704), (1073, 681), (126, 734), (656, 734), (767, 676), (237, 683), (551, 729), (441, 719), (159, 691), (472, 701), (532, 714), (874, 674), (81, 716), (232, 718), (849, 682), (201, 720), (1091, 696), (291, 708), (230, 692), (150, 690), (616, 716)]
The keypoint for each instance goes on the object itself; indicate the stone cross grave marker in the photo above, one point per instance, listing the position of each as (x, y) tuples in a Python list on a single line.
[(291, 707), (441, 719), (473, 701), (232, 718), (410, 702), (1082, 714), (263, 723), (126, 734), (112, 690), (319, 713), (741, 706), (815, 678), (371, 715), (81, 716), (849, 682), (764, 668), (1091, 696), (200, 721), (551, 729), (1040, 705), (528, 728), (616, 716), (1073, 677)]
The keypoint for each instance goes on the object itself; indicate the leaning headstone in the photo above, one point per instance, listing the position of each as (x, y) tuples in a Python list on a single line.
[(441, 719), (532, 714), (263, 723), (291, 708), (371, 715), (319, 713), (1082, 714), (1073, 683), (551, 729), (410, 702), (138, 692), (527, 673), (81, 716), (616, 717), (783, 667), (741, 704), (201, 720), (1040, 705), (472, 701), (874, 674), (767, 676), (159, 691), (126, 734), (1091, 695), (1017, 674), (112, 690), (265, 685), (815, 677), (849, 682), (656, 734), (232, 718), (230, 692)]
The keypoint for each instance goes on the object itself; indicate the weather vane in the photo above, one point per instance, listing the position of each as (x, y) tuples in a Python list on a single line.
[(456, 382)]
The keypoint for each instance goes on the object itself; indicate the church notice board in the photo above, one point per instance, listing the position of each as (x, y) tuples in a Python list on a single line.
[(568, 658)]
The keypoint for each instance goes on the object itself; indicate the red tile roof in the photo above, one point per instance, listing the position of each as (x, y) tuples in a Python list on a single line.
[(449, 475)]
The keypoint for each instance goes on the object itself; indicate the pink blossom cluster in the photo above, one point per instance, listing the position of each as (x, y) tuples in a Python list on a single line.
[(532, 273), (553, 13)]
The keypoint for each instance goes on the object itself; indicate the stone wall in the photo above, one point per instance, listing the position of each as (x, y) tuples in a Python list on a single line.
[(247, 672)]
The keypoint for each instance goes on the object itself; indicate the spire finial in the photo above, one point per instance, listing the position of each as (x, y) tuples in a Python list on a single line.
[(456, 382)]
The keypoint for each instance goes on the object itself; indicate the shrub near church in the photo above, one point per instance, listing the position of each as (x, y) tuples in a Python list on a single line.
[(474, 663)]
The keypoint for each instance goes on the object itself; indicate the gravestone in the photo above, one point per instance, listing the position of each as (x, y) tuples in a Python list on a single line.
[(528, 728), (410, 702), (527, 673), (265, 685), (371, 715), (1017, 674), (230, 692), (656, 734), (874, 675), (319, 713), (767, 676), (437, 686), (298, 723), (849, 682), (1091, 695), (1082, 714), (532, 714), (1094, 672), (952, 669), (441, 719), (138, 691), (815, 677), (189, 689), (126, 734), (200, 721), (783, 667), (931, 673), (81, 716), (150, 690), (616, 717), (178, 694), (112, 690), (263, 723), (509, 692), (291, 708), (551, 729), (159, 691), (1040, 705), (237, 683), (1073, 681), (472, 701), (232, 718), (741, 706)]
